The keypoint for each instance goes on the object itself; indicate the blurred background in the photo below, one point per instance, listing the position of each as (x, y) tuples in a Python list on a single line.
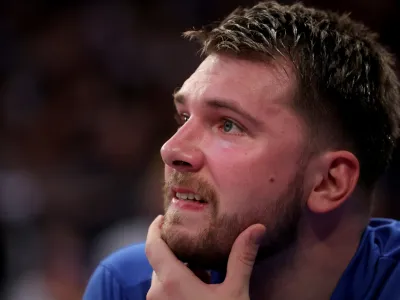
[(85, 106)]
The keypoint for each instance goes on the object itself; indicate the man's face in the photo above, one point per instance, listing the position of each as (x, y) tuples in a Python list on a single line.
[(239, 150)]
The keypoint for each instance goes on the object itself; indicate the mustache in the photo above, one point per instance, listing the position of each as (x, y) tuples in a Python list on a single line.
[(192, 182)]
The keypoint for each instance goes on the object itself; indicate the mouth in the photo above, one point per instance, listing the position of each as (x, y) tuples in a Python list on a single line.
[(187, 199), (187, 195)]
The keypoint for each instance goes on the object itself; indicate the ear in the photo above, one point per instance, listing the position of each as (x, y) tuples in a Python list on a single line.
[(336, 178)]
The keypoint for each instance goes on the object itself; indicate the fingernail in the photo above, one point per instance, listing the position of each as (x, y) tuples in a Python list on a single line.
[(160, 220), (257, 236)]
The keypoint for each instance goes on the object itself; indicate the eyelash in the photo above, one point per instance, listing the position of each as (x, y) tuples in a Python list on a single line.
[(180, 120)]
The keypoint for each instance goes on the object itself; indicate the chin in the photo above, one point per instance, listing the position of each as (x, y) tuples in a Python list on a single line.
[(177, 234), (201, 248)]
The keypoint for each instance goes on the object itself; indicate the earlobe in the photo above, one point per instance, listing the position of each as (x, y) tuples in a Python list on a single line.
[(336, 182)]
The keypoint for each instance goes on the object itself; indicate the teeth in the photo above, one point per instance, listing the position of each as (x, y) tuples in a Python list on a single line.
[(181, 196), (189, 196)]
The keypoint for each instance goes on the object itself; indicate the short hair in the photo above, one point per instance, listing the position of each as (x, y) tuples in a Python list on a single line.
[(347, 89)]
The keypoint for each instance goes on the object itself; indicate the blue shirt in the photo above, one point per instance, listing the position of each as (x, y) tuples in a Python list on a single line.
[(373, 273)]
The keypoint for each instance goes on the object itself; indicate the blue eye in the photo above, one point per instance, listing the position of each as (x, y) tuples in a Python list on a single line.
[(228, 126)]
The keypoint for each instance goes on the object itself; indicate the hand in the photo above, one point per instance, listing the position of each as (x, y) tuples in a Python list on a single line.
[(173, 280)]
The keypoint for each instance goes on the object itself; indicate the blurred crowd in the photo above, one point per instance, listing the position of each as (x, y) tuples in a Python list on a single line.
[(85, 106)]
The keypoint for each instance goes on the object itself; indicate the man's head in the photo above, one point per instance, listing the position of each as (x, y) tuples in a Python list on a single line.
[(290, 107)]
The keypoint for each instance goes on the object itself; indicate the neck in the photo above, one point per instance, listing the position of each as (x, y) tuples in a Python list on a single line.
[(313, 265)]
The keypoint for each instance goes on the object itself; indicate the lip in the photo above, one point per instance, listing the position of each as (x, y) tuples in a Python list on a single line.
[(182, 190), (176, 189), (188, 205), (185, 204)]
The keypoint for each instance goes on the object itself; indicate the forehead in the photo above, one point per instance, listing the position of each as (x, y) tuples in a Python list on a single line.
[(250, 83)]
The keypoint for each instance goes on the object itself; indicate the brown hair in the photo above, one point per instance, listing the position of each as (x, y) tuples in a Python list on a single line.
[(348, 93)]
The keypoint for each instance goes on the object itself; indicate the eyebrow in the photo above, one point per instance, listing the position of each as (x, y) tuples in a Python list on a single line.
[(218, 103)]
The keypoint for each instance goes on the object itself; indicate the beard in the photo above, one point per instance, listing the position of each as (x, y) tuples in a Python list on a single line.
[(210, 247)]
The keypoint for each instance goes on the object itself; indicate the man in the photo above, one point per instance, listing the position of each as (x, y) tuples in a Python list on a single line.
[(284, 129)]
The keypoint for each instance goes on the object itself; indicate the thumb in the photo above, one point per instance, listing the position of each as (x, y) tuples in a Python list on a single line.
[(242, 258)]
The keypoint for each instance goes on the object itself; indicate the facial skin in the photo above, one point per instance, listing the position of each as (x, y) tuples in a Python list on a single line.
[(247, 166)]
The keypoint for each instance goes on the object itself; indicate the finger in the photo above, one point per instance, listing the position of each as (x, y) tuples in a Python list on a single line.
[(154, 279), (156, 291), (173, 275), (242, 258), (158, 253)]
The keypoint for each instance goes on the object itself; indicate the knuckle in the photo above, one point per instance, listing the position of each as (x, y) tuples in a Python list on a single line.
[(149, 249), (151, 295), (170, 285), (163, 289), (236, 294), (155, 292), (247, 258)]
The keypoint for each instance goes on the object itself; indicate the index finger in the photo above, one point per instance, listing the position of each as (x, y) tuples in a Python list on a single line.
[(161, 258)]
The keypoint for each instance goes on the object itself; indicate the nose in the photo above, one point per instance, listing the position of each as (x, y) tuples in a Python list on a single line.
[(182, 151)]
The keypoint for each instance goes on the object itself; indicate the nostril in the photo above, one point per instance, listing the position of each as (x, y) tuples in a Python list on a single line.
[(181, 163)]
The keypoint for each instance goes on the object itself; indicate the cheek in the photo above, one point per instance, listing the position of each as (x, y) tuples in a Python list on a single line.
[(237, 172), (227, 160), (255, 173)]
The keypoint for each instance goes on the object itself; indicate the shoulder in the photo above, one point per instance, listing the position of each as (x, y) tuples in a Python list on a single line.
[(384, 235), (374, 272), (385, 240), (124, 275), (130, 264)]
